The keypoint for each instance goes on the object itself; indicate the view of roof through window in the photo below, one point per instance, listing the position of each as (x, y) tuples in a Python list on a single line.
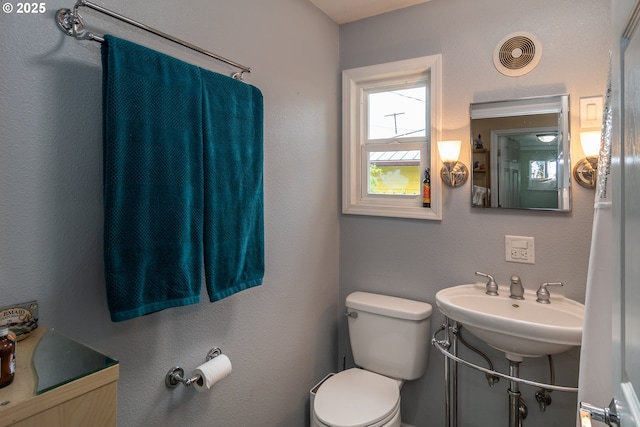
[(410, 157)]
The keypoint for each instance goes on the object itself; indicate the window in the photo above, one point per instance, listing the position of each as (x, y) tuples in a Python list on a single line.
[(543, 174), (543, 169), (390, 118)]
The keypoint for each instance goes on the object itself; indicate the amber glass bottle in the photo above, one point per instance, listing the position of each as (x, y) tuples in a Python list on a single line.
[(426, 189), (7, 357)]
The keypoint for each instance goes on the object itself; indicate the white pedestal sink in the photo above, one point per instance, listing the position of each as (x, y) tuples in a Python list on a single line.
[(519, 328)]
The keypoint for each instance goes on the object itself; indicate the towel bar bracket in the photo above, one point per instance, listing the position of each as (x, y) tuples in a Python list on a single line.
[(175, 376), (70, 23)]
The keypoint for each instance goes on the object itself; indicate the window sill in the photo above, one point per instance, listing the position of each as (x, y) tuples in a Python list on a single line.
[(393, 211)]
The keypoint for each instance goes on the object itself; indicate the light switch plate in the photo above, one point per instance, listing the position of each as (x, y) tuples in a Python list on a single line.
[(519, 249), (591, 111)]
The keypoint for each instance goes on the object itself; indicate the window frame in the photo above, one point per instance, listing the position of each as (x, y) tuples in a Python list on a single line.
[(356, 83)]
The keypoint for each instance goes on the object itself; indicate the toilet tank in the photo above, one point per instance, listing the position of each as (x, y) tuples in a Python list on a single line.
[(389, 335)]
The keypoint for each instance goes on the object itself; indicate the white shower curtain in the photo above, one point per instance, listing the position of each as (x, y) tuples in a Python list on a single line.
[(595, 381)]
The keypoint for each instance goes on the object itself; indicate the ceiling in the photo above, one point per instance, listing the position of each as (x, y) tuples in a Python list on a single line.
[(343, 11)]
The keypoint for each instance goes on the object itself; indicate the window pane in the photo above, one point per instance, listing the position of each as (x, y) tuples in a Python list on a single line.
[(537, 169), (543, 169), (397, 113), (394, 172)]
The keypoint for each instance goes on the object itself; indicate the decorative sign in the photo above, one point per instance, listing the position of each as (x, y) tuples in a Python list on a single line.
[(20, 318)]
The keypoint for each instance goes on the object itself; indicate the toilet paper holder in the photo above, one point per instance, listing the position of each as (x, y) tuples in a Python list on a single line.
[(175, 375)]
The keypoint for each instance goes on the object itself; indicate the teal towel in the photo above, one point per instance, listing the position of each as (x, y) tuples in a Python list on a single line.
[(183, 160), (233, 185), (153, 180)]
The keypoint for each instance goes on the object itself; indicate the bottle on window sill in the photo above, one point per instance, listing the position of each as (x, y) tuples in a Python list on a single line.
[(426, 189)]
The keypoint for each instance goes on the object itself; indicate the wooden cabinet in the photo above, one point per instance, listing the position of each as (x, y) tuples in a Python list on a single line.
[(75, 393)]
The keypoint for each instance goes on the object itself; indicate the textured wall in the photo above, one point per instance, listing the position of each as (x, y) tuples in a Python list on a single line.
[(415, 259), (281, 337)]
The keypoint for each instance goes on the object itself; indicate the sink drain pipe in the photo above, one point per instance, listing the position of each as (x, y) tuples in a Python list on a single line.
[(517, 407)]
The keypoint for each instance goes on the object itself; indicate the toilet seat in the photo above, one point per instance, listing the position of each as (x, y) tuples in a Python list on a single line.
[(357, 398)]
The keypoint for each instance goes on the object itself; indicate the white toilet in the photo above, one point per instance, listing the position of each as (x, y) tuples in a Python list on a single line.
[(390, 344)]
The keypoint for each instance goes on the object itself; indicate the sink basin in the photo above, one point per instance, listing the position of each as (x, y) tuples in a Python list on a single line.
[(519, 328)]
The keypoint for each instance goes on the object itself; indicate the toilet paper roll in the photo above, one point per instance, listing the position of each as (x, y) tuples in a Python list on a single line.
[(211, 372)]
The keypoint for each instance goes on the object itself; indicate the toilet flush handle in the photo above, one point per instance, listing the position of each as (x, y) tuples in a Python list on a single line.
[(353, 314)]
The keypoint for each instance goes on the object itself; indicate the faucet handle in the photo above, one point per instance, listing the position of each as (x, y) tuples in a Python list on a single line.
[(543, 294), (492, 286)]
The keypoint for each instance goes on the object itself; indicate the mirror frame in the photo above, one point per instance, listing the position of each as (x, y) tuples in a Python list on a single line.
[(558, 104)]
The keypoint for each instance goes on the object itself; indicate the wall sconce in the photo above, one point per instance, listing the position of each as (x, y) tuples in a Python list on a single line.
[(585, 170), (454, 173)]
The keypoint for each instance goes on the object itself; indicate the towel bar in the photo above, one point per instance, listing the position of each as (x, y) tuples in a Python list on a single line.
[(70, 22)]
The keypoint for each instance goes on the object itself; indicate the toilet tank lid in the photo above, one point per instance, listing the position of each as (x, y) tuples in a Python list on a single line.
[(385, 305)]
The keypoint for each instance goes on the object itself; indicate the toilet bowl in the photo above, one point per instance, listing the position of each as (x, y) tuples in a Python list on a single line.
[(357, 398), (389, 339)]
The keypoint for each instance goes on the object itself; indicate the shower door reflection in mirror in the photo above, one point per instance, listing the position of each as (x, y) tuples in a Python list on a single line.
[(520, 154)]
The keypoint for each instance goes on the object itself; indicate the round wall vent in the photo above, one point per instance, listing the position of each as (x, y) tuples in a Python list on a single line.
[(517, 54)]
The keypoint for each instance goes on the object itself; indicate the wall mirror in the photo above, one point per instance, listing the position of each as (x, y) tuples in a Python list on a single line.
[(520, 154)]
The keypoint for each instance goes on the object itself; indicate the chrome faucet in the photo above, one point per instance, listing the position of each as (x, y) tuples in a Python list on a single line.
[(517, 290), (492, 286), (543, 294)]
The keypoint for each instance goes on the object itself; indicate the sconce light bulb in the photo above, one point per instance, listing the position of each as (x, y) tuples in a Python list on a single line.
[(590, 143), (449, 151)]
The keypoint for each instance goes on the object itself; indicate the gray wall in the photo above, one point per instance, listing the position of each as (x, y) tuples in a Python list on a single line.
[(281, 337), (415, 259)]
